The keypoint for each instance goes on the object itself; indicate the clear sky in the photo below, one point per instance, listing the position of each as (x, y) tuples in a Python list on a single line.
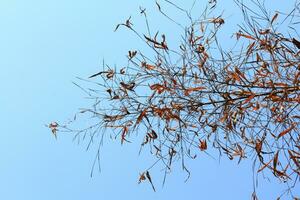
[(44, 45)]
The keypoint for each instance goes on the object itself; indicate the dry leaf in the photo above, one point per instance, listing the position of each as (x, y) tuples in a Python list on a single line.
[(286, 131), (203, 145)]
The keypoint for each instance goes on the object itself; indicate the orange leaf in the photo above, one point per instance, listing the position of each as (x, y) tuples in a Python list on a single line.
[(224, 118), (150, 67), (147, 66), (257, 106), (249, 98), (294, 159), (235, 76), (174, 81), (265, 165), (240, 73), (286, 131), (140, 117), (159, 88), (245, 36), (249, 50), (189, 90)]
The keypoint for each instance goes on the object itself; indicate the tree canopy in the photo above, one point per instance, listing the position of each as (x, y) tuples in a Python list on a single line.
[(201, 97)]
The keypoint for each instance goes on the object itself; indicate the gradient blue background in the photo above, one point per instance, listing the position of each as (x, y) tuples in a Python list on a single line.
[(44, 45)]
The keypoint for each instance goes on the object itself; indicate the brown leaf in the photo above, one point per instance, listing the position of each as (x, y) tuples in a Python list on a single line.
[(242, 75), (158, 87), (151, 40), (110, 74), (294, 159), (264, 166), (274, 18), (218, 20), (249, 50), (203, 145), (124, 133), (258, 146), (264, 32), (189, 90), (286, 131), (245, 36), (153, 135), (280, 84), (275, 160), (141, 116), (128, 86), (112, 118), (142, 177), (150, 67), (257, 106), (249, 98)]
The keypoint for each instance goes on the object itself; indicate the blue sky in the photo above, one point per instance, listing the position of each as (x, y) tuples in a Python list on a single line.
[(44, 45)]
